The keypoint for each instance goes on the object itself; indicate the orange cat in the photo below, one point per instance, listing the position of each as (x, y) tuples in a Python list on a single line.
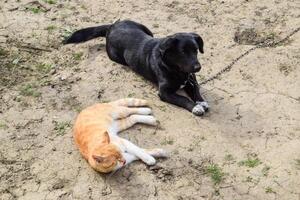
[(95, 134)]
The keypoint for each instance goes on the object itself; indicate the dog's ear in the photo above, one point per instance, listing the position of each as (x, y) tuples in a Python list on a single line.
[(167, 43), (199, 42)]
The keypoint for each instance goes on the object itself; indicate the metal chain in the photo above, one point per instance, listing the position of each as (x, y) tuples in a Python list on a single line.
[(263, 44)]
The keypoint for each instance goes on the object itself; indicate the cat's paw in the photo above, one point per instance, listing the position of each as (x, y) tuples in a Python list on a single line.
[(151, 120), (198, 110), (146, 119), (144, 111), (149, 160), (161, 153), (204, 104), (158, 153)]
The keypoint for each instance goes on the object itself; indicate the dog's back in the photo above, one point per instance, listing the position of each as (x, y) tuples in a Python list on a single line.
[(129, 43), (120, 29)]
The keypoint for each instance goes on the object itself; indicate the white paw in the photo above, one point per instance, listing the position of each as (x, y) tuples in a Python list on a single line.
[(151, 120), (149, 160), (144, 111), (146, 119), (158, 153), (162, 153), (198, 110), (204, 104)]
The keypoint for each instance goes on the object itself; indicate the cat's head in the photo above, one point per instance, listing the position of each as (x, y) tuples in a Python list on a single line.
[(107, 158)]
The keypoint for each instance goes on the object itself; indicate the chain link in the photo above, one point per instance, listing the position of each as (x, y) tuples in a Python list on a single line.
[(266, 43)]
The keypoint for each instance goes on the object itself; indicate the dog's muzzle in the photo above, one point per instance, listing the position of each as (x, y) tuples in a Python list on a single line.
[(197, 68)]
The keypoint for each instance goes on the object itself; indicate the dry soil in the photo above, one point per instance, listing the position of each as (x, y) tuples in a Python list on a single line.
[(246, 147)]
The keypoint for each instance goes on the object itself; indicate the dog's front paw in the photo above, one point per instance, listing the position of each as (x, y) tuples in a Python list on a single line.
[(149, 160), (204, 104), (198, 110)]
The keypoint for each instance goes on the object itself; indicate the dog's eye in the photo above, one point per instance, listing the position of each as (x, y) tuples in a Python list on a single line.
[(194, 50)]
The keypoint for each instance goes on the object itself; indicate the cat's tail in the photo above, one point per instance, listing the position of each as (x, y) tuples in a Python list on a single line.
[(86, 34), (130, 102)]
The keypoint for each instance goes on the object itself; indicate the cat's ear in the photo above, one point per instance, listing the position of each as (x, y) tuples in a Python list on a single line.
[(106, 135), (98, 159)]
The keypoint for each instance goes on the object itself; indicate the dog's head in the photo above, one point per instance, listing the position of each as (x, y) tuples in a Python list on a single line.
[(180, 51)]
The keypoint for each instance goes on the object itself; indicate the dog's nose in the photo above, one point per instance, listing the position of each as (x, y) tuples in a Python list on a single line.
[(197, 67)]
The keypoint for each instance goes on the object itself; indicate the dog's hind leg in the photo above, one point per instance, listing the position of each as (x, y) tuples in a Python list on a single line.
[(115, 56)]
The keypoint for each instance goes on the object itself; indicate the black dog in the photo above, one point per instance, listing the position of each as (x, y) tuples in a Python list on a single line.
[(169, 62)]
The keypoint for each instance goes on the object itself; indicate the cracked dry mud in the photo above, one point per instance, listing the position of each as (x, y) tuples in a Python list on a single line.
[(246, 147)]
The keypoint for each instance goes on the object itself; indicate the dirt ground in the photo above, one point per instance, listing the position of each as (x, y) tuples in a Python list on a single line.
[(246, 147)]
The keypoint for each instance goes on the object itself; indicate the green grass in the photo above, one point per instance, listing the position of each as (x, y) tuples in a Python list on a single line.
[(77, 56), (77, 108), (155, 25), (44, 81), (162, 108), (50, 1), (250, 162), (3, 125), (50, 28), (269, 190), (61, 127), (215, 173), (66, 33), (16, 61), (34, 10), (167, 141), (29, 90), (43, 67)]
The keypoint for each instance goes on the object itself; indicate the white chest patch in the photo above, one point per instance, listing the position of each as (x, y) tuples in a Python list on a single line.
[(182, 86)]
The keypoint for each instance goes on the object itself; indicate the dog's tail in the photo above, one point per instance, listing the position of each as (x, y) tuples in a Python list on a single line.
[(86, 34)]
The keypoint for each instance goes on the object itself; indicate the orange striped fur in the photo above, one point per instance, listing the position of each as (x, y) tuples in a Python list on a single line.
[(96, 128)]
